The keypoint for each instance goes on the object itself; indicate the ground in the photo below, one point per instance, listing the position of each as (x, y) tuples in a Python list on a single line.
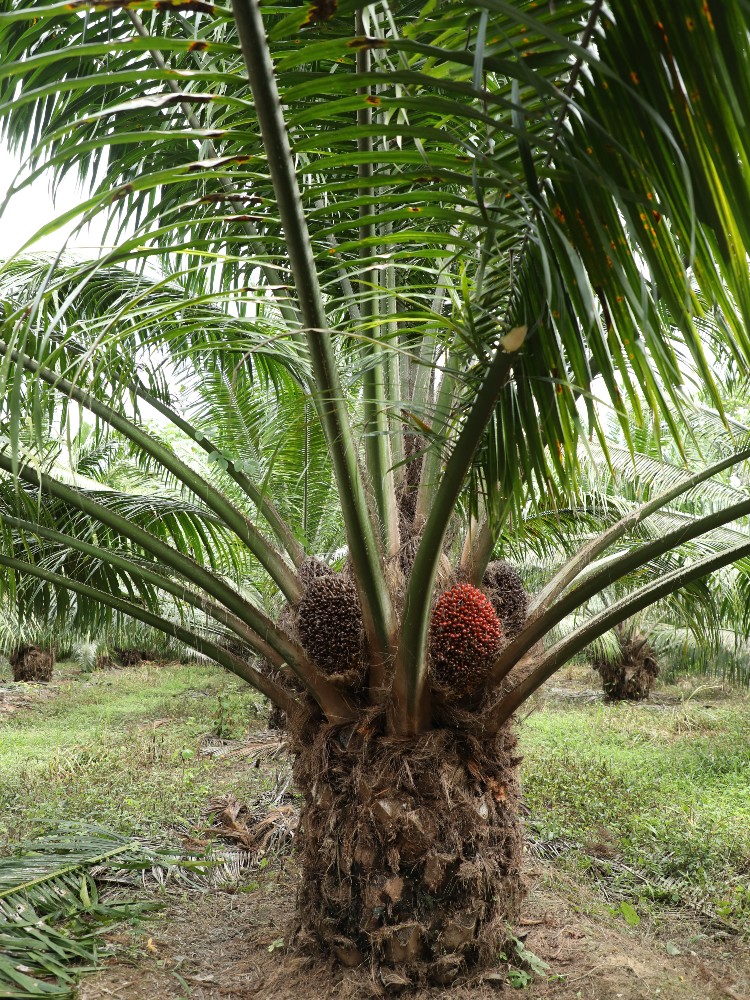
[(228, 946), (638, 836)]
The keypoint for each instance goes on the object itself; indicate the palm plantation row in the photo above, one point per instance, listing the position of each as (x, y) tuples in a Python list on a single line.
[(700, 628), (386, 267)]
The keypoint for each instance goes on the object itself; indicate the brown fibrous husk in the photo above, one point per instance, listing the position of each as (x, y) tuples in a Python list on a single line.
[(408, 489), (411, 849), (32, 663), (505, 589), (632, 676), (400, 566)]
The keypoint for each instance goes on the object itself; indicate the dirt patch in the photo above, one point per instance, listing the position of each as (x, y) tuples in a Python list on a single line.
[(232, 946), (17, 697), (593, 956)]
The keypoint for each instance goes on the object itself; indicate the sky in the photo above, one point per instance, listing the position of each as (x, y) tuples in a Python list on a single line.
[(33, 207)]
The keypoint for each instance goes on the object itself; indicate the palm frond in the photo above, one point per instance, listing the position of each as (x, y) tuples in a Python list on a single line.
[(56, 901), (51, 912)]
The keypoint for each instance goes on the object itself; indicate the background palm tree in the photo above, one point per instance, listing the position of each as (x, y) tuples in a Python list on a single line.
[(434, 235), (700, 629), (28, 644)]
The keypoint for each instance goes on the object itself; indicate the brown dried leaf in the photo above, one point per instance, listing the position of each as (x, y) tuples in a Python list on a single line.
[(394, 888)]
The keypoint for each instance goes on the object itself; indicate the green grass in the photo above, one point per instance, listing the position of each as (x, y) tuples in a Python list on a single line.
[(662, 790), (121, 748)]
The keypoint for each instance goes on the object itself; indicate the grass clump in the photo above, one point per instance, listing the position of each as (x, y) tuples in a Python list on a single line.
[(656, 798), (121, 749)]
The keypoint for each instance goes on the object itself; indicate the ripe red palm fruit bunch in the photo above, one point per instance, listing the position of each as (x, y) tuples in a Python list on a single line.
[(465, 636)]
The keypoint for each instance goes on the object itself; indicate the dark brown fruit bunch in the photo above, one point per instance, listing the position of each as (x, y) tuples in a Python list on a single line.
[(329, 623), (509, 598), (465, 635), (311, 568)]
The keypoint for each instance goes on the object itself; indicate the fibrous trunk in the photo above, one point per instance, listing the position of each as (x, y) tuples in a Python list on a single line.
[(132, 657), (411, 849), (32, 663), (632, 675)]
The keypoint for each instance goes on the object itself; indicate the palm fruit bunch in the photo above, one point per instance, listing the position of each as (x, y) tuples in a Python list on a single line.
[(329, 620), (508, 595), (465, 636), (310, 568)]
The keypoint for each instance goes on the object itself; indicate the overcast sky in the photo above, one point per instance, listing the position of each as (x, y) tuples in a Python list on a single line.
[(33, 207)]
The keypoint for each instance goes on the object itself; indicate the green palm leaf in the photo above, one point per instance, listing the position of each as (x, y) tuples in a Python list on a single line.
[(51, 913)]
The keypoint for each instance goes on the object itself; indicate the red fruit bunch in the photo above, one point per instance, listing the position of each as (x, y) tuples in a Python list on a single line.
[(465, 636)]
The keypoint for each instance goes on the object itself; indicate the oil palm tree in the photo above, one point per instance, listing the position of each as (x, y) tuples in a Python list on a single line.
[(432, 237), (701, 628)]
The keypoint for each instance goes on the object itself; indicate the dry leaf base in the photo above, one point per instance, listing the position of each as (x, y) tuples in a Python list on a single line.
[(411, 851)]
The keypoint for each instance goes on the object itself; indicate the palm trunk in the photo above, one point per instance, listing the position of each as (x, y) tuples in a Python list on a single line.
[(32, 663), (411, 849), (632, 675)]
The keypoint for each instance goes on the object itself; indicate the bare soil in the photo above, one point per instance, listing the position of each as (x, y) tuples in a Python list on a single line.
[(221, 945), (18, 696)]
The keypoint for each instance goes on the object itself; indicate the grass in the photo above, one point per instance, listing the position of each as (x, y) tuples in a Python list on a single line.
[(653, 798), (652, 802), (121, 748)]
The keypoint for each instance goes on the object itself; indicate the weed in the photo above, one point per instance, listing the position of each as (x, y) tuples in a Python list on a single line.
[(120, 749), (227, 718), (523, 965), (652, 800)]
